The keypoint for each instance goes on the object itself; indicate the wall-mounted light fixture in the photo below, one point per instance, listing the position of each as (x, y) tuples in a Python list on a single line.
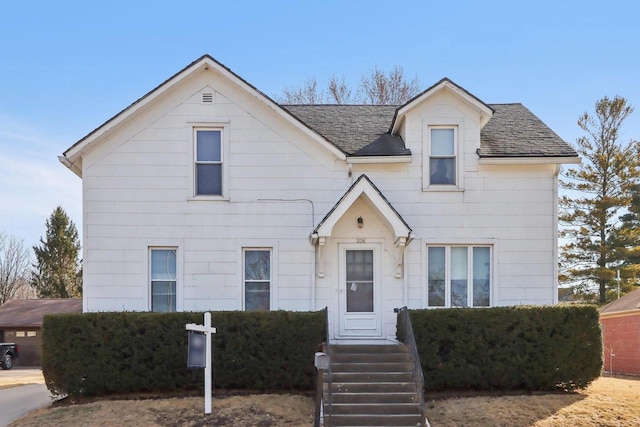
[(360, 222)]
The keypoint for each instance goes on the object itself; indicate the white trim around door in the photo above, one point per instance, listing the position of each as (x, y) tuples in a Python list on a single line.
[(360, 308)]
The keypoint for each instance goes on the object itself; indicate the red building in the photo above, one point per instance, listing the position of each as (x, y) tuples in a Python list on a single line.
[(620, 321)]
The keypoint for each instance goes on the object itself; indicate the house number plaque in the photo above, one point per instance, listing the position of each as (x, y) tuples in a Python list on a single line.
[(361, 240)]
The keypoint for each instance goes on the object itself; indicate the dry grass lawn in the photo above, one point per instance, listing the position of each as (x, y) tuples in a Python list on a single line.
[(607, 402)]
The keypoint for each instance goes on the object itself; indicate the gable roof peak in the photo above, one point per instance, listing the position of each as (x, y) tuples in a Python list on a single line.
[(444, 83), (72, 157)]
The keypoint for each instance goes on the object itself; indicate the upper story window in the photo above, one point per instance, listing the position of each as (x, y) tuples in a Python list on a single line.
[(163, 279), (442, 155), (458, 276), (208, 154)]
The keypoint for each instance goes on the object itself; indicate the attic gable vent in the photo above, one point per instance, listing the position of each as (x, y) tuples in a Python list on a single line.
[(207, 98)]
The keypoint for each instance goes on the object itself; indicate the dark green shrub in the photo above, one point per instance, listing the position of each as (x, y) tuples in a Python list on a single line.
[(102, 353), (507, 348)]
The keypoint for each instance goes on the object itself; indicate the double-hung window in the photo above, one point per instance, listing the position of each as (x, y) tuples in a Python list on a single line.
[(442, 155), (163, 279), (458, 276), (208, 162), (257, 279)]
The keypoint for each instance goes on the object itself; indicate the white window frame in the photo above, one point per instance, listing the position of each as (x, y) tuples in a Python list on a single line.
[(223, 127), (178, 295), (246, 249), (447, 279), (443, 123)]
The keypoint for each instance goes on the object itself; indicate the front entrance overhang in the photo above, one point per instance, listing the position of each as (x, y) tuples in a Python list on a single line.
[(364, 188)]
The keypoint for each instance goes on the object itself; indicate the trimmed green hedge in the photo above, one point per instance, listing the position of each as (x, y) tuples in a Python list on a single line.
[(509, 348), (103, 353)]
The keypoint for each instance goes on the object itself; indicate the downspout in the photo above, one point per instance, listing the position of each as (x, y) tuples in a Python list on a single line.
[(556, 223), (405, 280), (313, 278)]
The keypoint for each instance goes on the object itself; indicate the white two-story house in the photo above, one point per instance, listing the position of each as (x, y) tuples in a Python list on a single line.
[(206, 194)]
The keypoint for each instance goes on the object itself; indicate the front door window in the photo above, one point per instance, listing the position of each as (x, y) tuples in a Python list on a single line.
[(359, 269)]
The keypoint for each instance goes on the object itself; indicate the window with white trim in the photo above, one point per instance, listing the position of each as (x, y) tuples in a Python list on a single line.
[(257, 278), (162, 266), (442, 155), (458, 276), (208, 162)]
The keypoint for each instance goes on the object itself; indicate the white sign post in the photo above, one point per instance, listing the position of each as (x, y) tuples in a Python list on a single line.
[(207, 330)]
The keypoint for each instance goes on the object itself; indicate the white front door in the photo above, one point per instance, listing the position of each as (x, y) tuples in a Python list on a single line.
[(359, 290)]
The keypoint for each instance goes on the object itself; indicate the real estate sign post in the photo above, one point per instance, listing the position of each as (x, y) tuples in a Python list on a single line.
[(207, 330)]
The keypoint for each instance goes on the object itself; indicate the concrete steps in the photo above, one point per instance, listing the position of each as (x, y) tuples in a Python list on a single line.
[(372, 385)]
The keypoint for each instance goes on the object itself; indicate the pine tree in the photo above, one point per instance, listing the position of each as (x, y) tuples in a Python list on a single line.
[(598, 190), (56, 270)]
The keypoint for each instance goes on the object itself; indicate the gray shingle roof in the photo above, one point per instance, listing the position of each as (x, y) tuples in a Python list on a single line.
[(363, 130), (514, 131)]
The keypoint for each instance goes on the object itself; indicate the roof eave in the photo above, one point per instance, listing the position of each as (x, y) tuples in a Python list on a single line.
[(528, 160), (378, 159)]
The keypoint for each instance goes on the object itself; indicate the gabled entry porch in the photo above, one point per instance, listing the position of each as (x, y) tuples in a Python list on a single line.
[(360, 247)]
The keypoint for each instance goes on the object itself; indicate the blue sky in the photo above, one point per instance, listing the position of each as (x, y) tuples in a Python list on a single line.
[(66, 67)]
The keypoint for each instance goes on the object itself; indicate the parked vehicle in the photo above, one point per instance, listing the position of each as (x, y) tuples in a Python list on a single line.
[(8, 352)]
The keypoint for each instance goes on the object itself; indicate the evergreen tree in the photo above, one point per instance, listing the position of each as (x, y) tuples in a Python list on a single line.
[(627, 241), (56, 270), (598, 190)]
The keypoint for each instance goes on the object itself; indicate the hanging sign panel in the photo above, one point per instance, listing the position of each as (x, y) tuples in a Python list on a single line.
[(196, 356)]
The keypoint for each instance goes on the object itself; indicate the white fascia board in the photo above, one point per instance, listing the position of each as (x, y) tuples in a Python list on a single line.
[(378, 159), (528, 160), (363, 187), (74, 167)]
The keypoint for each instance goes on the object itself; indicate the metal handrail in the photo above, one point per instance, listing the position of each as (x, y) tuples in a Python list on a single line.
[(329, 379), (410, 340)]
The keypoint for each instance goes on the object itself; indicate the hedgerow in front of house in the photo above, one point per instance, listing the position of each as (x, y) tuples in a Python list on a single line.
[(105, 353), (509, 348)]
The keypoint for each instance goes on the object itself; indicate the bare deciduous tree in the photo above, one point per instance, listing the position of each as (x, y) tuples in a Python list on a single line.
[(377, 87), (339, 90), (14, 268), (390, 88), (305, 94)]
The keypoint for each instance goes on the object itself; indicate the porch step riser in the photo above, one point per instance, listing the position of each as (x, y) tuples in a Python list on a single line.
[(371, 358), (367, 349), (376, 420), (370, 377), (371, 367), (373, 388), (375, 409), (401, 397)]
